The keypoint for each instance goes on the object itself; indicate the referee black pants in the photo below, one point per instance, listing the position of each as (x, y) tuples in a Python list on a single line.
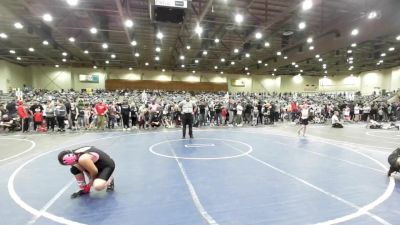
[(187, 119)]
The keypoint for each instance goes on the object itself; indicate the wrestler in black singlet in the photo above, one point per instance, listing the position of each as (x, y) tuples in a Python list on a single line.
[(105, 165)]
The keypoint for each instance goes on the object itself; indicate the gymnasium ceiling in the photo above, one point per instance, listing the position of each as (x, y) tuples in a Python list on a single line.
[(329, 23)]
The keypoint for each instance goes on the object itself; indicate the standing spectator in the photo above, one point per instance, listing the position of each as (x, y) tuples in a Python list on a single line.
[(50, 113), (218, 117), (11, 109), (356, 113), (37, 119), (134, 114), (126, 114), (239, 112), (304, 119), (23, 115), (100, 110), (61, 113), (74, 112)]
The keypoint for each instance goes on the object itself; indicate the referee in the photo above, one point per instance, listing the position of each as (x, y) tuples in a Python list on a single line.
[(187, 108)]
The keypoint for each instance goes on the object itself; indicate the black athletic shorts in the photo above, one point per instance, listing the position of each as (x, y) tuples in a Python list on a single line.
[(304, 121), (105, 173)]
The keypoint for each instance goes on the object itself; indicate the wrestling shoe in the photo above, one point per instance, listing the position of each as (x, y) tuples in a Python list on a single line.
[(110, 187)]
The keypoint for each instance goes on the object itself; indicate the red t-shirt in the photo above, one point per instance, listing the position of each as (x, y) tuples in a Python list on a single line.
[(22, 113), (101, 108), (38, 117)]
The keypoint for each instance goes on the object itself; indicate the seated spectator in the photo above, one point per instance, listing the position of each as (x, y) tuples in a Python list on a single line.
[(335, 120), (155, 120)]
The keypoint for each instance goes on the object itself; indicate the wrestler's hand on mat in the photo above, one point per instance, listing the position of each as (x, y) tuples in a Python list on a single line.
[(84, 191)]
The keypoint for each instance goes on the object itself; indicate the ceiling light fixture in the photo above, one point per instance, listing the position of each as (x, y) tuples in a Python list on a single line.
[(196, 61), (64, 54), (45, 42), (222, 59), (265, 64), (182, 57), (302, 25), (128, 23), (205, 52), (56, 66), (279, 53), (222, 72), (158, 49), (307, 4), (157, 58), (93, 30), (258, 35), (188, 47), (216, 40), (355, 32), (317, 56), (47, 17), (310, 40), (163, 70), (64, 60), (105, 45), (160, 35), (236, 50), (86, 52), (383, 54), (372, 15), (311, 48), (267, 44), (31, 49), (94, 67), (183, 66), (113, 56), (72, 2), (3, 35), (18, 25), (146, 64), (12, 51), (238, 18), (248, 73), (391, 49), (19, 58), (354, 45), (133, 43), (198, 30), (233, 63), (71, 39), (137, 54), (285, 57), (247, 55), (216, 67), (107, 62), (398, 38), (194, 71)]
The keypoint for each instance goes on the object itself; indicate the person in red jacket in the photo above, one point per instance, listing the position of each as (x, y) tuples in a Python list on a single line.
[(101, 109), (23, 115), (37, 119)]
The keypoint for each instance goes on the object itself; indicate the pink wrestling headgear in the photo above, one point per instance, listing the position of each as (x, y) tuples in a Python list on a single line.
[(67, 157)]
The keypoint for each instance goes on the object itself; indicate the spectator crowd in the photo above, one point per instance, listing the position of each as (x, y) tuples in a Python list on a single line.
[(49, 111)]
